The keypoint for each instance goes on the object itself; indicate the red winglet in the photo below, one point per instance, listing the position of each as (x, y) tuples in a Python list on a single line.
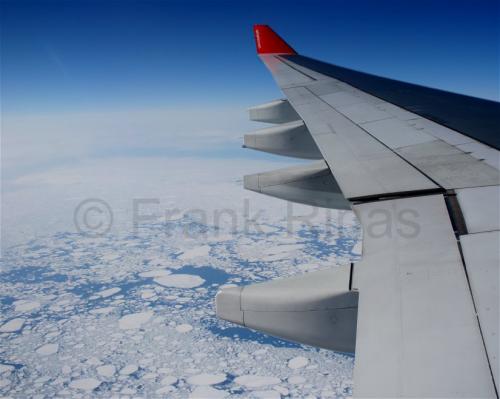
[(268, 42)]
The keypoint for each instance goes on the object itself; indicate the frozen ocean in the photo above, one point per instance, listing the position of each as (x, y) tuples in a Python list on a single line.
[(119, 302)]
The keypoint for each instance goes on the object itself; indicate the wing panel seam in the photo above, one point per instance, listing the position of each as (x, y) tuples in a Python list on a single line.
[(369, 134)]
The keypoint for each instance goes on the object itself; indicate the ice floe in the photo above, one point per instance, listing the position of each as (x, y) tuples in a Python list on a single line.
[(109, 292), (107, 370), (206, 392), (47, 349), (12, 325), (183, 328), (4, 368), (269, 394), (129, 369), (26, 306), (85, 384), (148, 294), (254, 381), (105, 310), (296, 379), (206, 379), (180, 281), (134, 320), (198, 252), (155, 273), (168, 380), (298, 362), (282, 390), (165, 389)]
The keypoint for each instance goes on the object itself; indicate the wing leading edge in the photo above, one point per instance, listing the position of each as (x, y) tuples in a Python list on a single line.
[(420, 169)]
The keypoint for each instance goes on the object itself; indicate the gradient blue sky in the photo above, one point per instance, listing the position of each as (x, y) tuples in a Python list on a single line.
[(73, 56)]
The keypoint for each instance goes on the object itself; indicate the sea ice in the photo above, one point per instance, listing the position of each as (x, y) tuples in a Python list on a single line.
[(47, 349), (164, 370), (106, 371), (6, 367), (110, 291), (129, 369), (134, 320), (168, 380), (26, 306), (85, 384), (93, 361), (254, 381), (165, 389), (155, 273), (159, 360), (12, 325), (146, 294), (105, 310), (180, 281), (282, 390), (202, 251), (184, 328), (110, 256), (205, 392), (206, 379), (298, 362), (283, 249), (266, 394), (296, 379)]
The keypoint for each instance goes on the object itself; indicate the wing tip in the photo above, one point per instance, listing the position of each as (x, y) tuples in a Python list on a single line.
[(268, 41)]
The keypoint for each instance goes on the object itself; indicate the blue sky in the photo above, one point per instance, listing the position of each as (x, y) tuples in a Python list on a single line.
[(90, 81), (70, 56)]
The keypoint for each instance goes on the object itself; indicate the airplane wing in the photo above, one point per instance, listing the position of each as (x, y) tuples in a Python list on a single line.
[(420, 169)]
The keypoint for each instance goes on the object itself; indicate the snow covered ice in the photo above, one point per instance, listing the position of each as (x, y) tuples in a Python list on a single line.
[(132, 315), (106, 371), (184, 328), (180, 280), (135, 320), (206, 379), (254, 381), (47, 349), (12, 325), (85, 384), (298, 362)]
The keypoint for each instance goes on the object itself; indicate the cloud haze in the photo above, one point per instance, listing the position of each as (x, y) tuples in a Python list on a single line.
[(31, 142)]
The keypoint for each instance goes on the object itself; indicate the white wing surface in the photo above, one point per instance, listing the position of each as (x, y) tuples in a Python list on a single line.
[(420, 168)]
